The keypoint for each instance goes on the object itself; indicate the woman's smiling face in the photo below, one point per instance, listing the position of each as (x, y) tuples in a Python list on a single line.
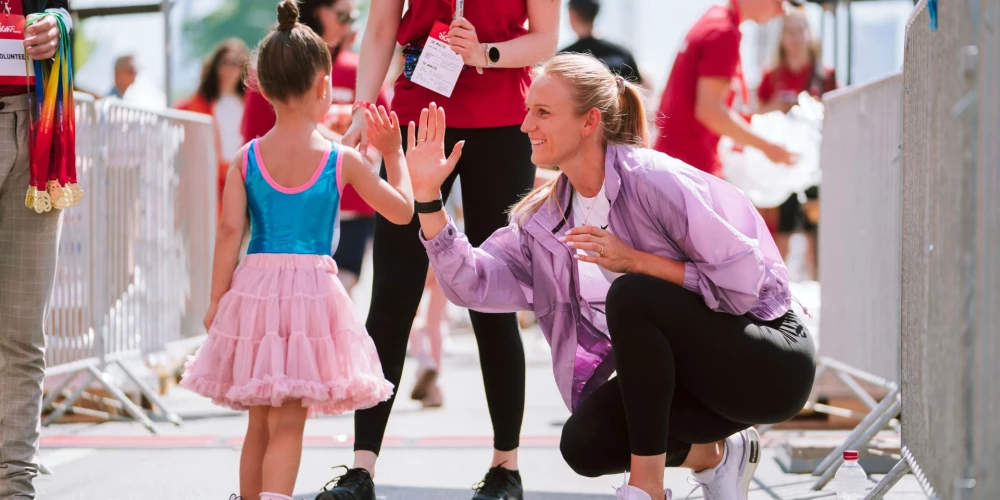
[(554, 126)]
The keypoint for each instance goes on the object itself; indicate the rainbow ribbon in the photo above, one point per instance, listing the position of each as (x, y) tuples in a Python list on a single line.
[(52, 141)]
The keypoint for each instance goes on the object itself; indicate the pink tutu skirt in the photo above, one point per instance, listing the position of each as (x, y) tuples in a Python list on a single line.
[(287, 330)]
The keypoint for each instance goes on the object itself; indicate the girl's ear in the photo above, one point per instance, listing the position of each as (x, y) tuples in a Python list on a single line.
[(322, 86)]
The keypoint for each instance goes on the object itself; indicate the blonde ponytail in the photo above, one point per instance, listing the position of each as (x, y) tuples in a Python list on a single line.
[(631, 123)]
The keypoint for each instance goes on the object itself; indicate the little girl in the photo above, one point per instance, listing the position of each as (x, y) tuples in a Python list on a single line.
[(283, 339)]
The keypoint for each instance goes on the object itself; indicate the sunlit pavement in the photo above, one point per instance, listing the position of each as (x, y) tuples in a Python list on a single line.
[(428, 454)]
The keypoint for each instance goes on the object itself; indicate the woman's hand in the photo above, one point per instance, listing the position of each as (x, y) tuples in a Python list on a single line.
[(383, 130), (465, 43), (213, 308), (425, 154), (605, 249), (357, 134)]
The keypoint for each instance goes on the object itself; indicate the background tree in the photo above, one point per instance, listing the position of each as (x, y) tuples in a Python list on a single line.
[(248, 20)]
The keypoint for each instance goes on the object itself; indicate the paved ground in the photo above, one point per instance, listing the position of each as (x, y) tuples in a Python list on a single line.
[(435, 454)]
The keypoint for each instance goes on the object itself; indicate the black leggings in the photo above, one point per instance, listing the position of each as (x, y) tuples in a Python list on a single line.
[(686, 375), (354, 236), (496, 172)]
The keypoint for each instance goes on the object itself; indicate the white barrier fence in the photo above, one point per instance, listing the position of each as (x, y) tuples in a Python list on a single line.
[(860, 260), (135, 256), (861, 237)]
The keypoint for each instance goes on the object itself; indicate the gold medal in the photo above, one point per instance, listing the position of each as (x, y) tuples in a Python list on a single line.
[(43, 203), (76, 194)]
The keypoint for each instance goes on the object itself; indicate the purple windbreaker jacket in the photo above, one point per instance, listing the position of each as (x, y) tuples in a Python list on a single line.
[(659, 205)]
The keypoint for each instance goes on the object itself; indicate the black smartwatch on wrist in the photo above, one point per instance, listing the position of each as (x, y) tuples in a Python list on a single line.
[(429, 207)]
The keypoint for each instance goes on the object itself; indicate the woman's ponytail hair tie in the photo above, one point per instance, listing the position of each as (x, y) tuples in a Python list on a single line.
[(621, 83)]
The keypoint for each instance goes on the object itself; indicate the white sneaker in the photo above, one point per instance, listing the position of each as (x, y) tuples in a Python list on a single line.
[(730, 480), (632, 493)]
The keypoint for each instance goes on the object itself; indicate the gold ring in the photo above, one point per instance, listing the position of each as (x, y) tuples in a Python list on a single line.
[(602, 250)]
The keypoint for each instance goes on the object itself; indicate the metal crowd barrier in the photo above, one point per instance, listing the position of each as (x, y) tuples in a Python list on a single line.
[(135, 255), (951, 252), (860, 242), (861, 237)]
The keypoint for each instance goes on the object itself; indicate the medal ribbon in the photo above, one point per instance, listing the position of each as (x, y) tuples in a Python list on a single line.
[(52, 140)]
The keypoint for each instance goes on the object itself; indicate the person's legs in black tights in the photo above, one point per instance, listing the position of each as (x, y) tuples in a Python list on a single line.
[(496, 171), (595, 438), (686, 375), (399, 271)]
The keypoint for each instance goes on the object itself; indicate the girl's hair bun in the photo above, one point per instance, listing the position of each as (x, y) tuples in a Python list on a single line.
[(288, 15)]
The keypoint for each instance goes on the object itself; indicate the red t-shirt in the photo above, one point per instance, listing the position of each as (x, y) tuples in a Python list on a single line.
[(787, 84), (710, 50), (492, 99), (258, 116), (15, 10)]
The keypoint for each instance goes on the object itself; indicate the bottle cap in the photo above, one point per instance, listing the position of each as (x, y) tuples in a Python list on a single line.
[(850, 455)]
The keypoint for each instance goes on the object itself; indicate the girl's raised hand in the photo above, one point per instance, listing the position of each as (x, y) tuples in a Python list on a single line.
[(383, 130)]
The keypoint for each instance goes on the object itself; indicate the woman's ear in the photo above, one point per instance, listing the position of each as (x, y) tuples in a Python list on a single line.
[(592, 122)]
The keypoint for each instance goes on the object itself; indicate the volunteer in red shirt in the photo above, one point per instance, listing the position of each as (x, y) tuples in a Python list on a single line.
[(332, 20), (798, 69), (485, 111), (696, 108)]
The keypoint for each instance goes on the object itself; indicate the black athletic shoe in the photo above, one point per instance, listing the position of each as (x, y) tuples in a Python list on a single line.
[(355, 484), (500, 484)]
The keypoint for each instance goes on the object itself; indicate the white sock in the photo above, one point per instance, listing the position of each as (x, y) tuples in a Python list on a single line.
[(274, 496)]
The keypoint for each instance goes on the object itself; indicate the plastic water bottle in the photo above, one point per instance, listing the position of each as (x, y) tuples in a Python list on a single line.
[(851, 481)]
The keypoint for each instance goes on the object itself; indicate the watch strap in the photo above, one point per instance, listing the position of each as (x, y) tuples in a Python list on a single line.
[(429, 207)]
